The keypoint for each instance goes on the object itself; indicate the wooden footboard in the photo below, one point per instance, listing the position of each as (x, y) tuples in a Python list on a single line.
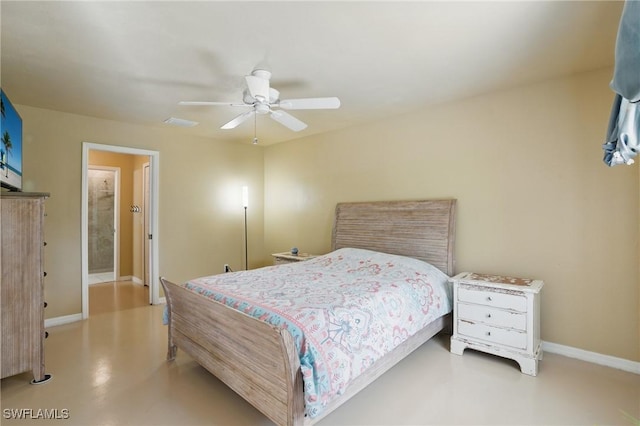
[(256, 360)]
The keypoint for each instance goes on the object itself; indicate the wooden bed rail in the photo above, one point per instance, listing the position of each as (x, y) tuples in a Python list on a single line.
[(257, 360)]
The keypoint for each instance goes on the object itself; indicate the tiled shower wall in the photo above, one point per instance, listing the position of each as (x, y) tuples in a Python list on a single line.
[(101, 185)]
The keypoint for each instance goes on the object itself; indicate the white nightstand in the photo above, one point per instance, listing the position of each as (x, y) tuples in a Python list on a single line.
[(498, 315), (287, 257)]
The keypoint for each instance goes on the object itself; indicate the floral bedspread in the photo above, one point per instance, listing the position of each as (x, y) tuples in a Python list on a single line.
[(345, 310)]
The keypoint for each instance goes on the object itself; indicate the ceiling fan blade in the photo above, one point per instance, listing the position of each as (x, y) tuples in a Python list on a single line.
[(238, 120), (288, 120), (200, 103), (310, 103), (258, 87)]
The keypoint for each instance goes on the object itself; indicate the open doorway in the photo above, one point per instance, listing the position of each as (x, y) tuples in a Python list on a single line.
[(133, 244)]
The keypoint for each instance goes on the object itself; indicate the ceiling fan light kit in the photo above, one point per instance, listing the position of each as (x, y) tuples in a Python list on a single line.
[(263, 99)]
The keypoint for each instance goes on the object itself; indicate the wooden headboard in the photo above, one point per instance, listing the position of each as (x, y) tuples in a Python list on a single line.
[(422, 229)]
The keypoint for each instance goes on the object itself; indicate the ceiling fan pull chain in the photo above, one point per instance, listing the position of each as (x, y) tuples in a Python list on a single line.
[(255, 131)]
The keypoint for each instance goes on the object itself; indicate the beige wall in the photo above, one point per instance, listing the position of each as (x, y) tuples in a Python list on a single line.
[(534, 197), (200, 217)]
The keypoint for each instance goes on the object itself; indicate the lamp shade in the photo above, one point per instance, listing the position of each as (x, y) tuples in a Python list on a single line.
[(245, 196)]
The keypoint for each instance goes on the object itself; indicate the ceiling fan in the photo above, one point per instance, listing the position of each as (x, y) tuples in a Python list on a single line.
[(263, 99)]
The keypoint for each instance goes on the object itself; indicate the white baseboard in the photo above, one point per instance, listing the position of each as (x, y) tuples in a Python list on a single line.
[(52, 322), (125, 278), (593, 357)]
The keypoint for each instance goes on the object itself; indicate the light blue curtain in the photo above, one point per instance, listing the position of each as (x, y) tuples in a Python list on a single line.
[(623, 134)]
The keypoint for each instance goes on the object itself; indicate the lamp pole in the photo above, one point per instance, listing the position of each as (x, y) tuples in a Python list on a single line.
[(245, 204), (246, 251)]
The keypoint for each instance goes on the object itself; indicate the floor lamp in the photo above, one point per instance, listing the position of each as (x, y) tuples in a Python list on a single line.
[(245, 204)]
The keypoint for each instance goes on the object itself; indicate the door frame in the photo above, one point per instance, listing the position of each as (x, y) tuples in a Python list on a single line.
[(146, 195), (116, 217), (154, 172)]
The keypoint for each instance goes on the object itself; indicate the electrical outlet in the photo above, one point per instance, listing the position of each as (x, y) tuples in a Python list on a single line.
[(227, 268)]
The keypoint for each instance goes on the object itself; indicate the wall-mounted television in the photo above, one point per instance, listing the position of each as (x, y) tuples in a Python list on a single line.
[(10, 145)]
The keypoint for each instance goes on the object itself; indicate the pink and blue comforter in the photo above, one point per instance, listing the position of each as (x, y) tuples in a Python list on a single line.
[(345, 310)]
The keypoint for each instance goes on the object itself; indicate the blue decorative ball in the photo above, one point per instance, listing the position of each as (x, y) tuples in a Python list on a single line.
[(294, 251)]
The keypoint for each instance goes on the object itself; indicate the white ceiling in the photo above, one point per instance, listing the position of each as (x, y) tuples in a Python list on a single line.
[(134, 61)]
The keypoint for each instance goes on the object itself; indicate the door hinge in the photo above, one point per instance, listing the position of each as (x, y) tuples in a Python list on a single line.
[(151, 236)]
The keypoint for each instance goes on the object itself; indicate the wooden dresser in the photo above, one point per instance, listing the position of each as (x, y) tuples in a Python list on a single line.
[(22, 286)]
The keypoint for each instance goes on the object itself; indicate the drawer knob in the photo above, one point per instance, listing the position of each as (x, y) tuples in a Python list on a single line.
[(488, 315), (489, 299), (488, 333)]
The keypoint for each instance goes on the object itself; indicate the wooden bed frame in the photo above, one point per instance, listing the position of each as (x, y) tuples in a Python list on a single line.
[(259, 361)]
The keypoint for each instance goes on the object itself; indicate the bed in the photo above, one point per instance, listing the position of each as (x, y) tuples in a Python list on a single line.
[(261, 361)]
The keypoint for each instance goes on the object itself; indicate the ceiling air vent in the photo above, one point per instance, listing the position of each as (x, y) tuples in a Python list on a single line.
[(180, 122)]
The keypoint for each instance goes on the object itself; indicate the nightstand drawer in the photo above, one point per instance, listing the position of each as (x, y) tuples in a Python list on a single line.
[(492, 316), (501, 336), (515, 302)]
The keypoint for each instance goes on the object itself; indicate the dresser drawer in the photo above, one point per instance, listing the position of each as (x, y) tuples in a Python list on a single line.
[(501, 336), (493, 316), (496, 299)]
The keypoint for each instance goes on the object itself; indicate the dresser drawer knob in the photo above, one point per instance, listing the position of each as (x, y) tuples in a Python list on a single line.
[(488, 333), (489, 299), (488, 315)]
